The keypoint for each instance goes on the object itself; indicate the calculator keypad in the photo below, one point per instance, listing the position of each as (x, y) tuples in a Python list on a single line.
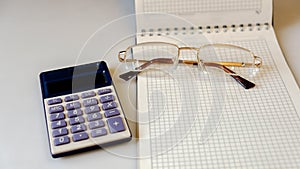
[(81, 116)]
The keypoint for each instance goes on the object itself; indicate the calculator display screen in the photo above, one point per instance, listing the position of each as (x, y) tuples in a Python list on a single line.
[(75, 79), (76, 83)]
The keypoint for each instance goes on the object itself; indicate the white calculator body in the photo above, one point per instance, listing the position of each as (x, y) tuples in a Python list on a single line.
[(82, 109)]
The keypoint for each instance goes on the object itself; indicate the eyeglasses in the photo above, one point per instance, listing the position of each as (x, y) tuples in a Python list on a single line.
[(231, 59)]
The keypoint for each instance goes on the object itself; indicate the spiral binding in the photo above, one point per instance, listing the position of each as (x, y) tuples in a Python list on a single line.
[(205, 29)]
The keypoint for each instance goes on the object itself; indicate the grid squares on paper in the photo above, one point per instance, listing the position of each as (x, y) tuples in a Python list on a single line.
[(196, 6), (259, 128)]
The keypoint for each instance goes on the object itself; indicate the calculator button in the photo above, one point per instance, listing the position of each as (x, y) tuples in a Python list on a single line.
[(60, 132), (58, 124), (74, 113), (54, 101), (57, 116), (107, 98), (104, 91), (78, 128), (110, 113), (76, 120), (56, 109), (71, 98), (90, 102), (94, 116), (80, 136), (115, 124), (72, 106), (109, 105), (61, 140), (96, 124), (99, 132), (88, 94), (92, 109)]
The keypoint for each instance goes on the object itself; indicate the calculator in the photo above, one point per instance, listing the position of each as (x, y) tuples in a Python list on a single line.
[(82, 109)]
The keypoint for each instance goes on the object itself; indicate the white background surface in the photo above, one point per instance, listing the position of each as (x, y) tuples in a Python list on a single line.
[(37, 35)]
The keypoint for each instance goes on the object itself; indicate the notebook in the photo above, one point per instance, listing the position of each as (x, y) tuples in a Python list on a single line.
[(187, 120)]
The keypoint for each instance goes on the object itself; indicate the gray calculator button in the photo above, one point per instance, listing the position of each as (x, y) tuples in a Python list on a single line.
[(104, 91), (61, 140), (78, 128), (58, 124), (115, 124), (72, 106), (54, 101), (110, 113), (71, 98), (92, 109), (56, 109), (76, 120), (80, 136), (107, 98), (60, 132), (94, 116), (99, 132), (74, 113), (90, 102), (88, 94), (96, 124), (109, 105), (57, 116)]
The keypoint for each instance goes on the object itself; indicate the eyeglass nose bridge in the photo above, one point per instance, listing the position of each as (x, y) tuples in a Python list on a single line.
[(188, 48), (257, 61), (122, 56), (200, 63)]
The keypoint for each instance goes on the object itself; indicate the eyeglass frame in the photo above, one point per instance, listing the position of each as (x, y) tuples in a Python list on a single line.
[(257, 61), (235, 64)]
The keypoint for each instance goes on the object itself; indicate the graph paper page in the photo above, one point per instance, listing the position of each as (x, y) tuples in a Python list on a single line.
[(257, 128)]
